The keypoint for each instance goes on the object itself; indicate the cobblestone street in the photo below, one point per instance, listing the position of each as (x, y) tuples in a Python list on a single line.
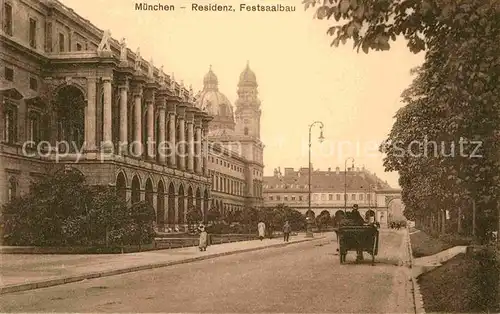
[(305, 277)]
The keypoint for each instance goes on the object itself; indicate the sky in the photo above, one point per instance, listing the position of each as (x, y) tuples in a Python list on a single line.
[(301, 78)]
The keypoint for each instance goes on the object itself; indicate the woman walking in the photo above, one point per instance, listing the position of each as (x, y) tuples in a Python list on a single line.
[(203, 238), (262, 230)]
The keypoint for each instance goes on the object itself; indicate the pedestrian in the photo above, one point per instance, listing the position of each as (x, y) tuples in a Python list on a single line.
[(203, 243), (286, 231), (261, 226)]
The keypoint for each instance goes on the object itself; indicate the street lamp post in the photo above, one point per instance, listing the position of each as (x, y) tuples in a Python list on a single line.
[(309, 233), (345, 181)]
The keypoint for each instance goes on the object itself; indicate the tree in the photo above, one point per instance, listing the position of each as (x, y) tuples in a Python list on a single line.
[(323, 220), (454, 99), (142, 216), (194, 215)]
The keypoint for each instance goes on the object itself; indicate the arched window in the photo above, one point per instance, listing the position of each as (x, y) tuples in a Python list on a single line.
[(12, 189), (10, 125), (245, 131)]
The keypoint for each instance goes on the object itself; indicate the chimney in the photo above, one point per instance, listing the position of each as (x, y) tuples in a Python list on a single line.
[(289, 171), (275, 172), (329, 169), (337, 170)]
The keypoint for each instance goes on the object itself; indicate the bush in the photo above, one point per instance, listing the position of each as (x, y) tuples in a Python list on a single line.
[(219, 228), (61, 210), (141, 225)]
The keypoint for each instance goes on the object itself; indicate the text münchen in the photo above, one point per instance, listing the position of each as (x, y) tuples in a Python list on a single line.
[(154, 7)]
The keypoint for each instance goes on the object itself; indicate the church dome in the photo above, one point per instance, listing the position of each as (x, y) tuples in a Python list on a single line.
[(247, 77), (210, 80), (215, 103)]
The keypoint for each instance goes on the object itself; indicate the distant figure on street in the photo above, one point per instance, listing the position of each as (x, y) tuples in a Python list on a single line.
[(262, 230), (286, 231), (203, 238)]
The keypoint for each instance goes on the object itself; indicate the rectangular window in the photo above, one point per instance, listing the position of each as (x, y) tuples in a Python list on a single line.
[(330, 197), (32, 34), (360, 197), (300, 198), (7, 17), (293, 198), (278, 197), (33, 83), (9, 74), (34, 128), (285, 198), (338, 197), (61, 42), (353, 197), (78, 47), (271, 198)]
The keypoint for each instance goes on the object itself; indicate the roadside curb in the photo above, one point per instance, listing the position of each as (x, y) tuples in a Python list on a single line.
[(107, 273), (418, 301)]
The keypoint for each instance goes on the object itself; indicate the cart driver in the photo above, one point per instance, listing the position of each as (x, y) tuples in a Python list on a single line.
[(358, 220), (356, 216)]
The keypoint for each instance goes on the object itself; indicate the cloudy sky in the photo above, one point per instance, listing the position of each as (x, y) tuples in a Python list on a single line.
[(301, 78)]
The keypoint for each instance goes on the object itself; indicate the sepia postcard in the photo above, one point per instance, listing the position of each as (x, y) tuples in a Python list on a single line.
[(253, 156)]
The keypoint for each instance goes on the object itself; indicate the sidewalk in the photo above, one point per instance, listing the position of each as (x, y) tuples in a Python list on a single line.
[(427, 263), (27, 272)]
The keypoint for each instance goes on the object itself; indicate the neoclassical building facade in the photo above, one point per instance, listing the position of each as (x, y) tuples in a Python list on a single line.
[(73, 96)]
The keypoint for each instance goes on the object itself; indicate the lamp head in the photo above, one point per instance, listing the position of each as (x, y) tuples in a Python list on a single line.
[(321, 138)]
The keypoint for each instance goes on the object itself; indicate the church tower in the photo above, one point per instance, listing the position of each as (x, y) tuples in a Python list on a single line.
[(247, 113), (247, 130)]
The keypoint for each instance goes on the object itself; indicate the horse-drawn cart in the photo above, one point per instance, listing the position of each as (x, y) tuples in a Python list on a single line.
[(357, 238)]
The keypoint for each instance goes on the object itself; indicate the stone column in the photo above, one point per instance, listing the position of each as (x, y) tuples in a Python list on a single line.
[(172, 142), (107, 115), (150, 129), (181, 145), (190, 139), (90, 115), (161, 135), (138, 124), (123, 119), (204, 132), (199, 159)]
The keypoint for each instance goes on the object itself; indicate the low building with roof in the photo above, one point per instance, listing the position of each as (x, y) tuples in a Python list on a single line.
[(331, 190)]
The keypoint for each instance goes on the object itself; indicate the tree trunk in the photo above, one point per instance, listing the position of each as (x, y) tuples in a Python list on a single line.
[(443, 219), (438, 229), (474, 218), (107, 236), (498, 242), (459, 221)]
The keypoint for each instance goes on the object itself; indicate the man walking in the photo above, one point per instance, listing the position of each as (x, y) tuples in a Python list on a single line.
[(286, 231)]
